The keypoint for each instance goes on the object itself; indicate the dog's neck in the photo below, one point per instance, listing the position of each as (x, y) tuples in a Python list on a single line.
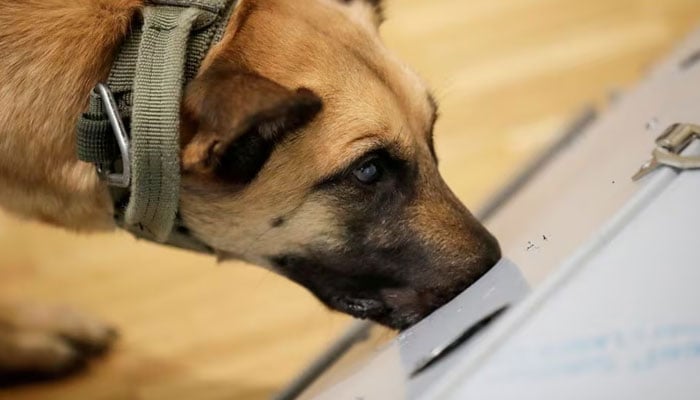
[(164, 49)]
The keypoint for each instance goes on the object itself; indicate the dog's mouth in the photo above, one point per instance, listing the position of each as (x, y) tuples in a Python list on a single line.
[(375, 310), (362, 308), (381, 298), (397, 308)]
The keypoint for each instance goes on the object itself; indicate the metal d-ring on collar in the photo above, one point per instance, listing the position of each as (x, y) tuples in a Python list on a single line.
[(180, 237), (107, 173), (139, 159)]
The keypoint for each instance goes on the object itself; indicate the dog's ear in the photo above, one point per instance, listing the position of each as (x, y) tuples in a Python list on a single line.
[(232, 121)]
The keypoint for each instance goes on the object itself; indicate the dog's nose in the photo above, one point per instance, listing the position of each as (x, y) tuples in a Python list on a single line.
[(407, 305)]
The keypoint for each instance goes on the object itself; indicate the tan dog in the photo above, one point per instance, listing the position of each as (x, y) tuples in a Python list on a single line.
[(306, 148)]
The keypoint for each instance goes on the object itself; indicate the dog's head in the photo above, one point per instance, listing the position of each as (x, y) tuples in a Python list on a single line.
[(307, 148)]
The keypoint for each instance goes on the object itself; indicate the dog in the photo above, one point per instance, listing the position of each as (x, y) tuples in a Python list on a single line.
[(306, 148)]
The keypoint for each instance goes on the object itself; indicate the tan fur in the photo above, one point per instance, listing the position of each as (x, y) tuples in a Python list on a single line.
[(54, 52), (278, 60), (369, 98)]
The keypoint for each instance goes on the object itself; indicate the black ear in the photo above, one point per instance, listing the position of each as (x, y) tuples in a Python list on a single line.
[(232, 121)]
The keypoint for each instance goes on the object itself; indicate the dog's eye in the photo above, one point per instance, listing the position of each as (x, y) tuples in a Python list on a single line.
[(368, 173)]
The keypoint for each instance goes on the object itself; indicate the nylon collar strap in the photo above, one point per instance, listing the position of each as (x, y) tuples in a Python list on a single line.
[(144, 90)]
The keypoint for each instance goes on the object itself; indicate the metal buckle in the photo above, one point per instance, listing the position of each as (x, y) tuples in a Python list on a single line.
[(118, 179), (668, 148)]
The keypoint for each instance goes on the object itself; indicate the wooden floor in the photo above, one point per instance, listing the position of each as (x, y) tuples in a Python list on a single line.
[(508, 73)]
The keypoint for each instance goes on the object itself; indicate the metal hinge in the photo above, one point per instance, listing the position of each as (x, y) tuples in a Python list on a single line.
[(668, 148)]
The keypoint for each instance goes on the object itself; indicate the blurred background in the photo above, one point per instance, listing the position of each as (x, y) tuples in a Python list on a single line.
[(509, 75)]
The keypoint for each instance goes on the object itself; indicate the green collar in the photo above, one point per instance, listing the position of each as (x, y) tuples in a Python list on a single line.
[(143, 92)]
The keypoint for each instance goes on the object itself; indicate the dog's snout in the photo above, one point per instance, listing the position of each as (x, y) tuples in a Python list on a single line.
[(406, 306), (455, 256)]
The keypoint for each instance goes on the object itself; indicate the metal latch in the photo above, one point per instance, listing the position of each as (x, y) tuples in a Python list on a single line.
[(113, 178), (668, 148)]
